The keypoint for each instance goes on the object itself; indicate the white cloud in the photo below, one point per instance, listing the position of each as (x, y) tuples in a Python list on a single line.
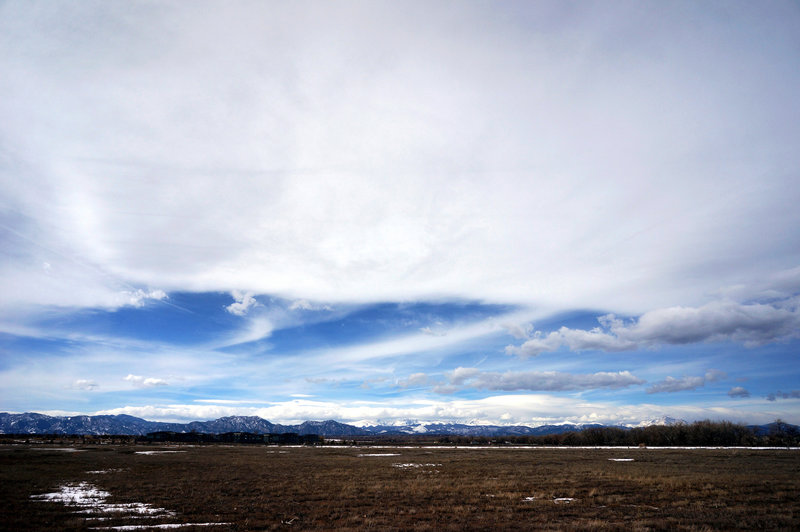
[(351, 172), (347, 356), (382, 152), (244, 301), (145, 382), (751, 324), (540, 380), (255, 329)]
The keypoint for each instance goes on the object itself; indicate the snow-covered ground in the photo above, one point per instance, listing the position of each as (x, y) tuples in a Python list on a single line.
[(158, 452), (407, 466), (91, 500)]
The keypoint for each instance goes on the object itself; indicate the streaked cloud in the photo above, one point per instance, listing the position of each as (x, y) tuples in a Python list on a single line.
[(540, 380), (326, 170)]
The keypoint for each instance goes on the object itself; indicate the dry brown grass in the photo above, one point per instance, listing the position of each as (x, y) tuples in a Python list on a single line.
[(257, 488)]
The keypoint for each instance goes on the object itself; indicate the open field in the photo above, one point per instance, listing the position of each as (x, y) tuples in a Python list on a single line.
[(357, 488)]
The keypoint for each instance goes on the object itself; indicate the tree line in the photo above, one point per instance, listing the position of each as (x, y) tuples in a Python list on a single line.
[(700, 433)]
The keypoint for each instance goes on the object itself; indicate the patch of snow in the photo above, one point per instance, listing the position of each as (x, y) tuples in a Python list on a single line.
[(620, 459), (405, 466), (662, 421), (83, 494), (92, 501), (529, 499), (134, 507), (148, 527), (379, 454), (64, 449), (563, 500), (157, 452)]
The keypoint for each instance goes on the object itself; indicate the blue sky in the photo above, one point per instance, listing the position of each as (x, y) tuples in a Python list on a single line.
[(516, 213)]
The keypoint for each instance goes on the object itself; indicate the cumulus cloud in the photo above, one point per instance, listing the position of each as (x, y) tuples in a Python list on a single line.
[(686, 383), (244, 301), (540, 380), (738, 391), (794, 394), (751, 324), (145, 382)]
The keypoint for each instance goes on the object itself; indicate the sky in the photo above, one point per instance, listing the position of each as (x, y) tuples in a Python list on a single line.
[(385, 212)]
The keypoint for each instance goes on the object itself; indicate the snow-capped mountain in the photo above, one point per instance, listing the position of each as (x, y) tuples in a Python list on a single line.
[(663, 420), (32, 423)]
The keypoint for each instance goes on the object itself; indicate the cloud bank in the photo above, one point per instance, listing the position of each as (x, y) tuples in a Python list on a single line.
[(600, 157), (794, 394), (751, 324), (539, 380)]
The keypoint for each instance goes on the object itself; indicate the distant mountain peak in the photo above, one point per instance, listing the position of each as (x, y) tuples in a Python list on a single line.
[(663, 420), (33, 423)]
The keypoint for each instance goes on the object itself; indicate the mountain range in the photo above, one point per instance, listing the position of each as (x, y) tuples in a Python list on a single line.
[(33, 423)]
